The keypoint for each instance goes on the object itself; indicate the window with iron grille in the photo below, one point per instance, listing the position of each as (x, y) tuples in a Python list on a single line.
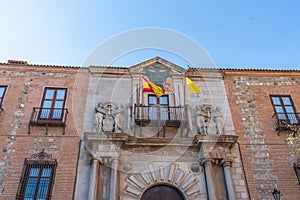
[(2, 93), (284, 109), (53, 102), (37, 177)]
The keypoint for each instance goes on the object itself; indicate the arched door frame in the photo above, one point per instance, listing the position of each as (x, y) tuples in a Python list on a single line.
[(164, 184)]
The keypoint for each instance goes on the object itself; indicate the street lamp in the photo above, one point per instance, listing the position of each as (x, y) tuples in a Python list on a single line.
[(276, 194)]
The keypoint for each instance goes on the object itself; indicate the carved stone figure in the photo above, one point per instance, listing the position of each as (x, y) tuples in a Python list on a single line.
[(218, 119), (108, 122), (99, 116), (203, 118), (119, 119)]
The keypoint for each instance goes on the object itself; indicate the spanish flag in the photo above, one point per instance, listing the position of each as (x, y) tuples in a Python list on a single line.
[(192, 87), (151, 87)]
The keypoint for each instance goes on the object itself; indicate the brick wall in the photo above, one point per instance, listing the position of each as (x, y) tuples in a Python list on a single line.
[(266, 156), (25, 88)]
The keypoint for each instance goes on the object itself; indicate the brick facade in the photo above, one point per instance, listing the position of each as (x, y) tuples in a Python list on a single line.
[(25, 89), (266, 156)]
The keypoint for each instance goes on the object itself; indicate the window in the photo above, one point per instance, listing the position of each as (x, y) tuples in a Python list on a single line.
[(284, 109), (158, 107), (53, 103), (2, 93), (297, 169), (37, 177)]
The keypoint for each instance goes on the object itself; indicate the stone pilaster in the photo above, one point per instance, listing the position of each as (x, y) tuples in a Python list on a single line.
[(94, 175)]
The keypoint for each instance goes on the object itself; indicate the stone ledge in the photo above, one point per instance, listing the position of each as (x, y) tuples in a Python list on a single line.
[(91, 138), (219, 140)]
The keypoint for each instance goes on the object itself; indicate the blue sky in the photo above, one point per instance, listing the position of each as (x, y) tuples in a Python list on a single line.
[(239, 34)]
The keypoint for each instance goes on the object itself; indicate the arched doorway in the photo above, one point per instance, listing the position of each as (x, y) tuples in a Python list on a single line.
[(162, 192)]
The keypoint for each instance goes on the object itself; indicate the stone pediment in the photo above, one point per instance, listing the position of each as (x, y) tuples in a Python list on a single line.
[(158, 64)]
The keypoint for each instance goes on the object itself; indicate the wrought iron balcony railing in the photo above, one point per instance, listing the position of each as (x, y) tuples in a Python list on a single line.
[(283, 120), (1, 109), (169, 116), (48, 117)]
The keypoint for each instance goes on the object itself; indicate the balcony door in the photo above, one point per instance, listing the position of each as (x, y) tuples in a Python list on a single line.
[(53, 103), (158, 107), (284, 109)]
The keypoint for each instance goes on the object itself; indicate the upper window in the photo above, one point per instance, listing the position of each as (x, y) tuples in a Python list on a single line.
[(284, 109), (2, 93), (53, 103), (37, 177), (158, 107)]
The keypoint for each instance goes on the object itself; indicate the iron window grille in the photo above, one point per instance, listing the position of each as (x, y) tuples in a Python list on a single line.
[(37, 178)]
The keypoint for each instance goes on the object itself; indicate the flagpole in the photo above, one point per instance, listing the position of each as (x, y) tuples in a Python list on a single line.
[(142, 93), (184, 89), (138, 99), (184, 97)]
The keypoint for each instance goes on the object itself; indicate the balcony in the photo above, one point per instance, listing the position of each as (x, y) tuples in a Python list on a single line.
[(283, 121), (152, 115), (158, 116), (48, 117), (1, 109)]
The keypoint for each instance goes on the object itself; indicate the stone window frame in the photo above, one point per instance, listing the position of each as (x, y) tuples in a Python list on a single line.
[(51, 113), (285, 115), (37, 177), (2, 95)]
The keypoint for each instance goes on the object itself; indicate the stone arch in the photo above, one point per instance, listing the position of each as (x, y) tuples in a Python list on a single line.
[(158, 190), (137, 183)]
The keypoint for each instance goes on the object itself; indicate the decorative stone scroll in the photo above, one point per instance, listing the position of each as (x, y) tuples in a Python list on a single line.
[(209, 119), (42, 155), (109, 117)]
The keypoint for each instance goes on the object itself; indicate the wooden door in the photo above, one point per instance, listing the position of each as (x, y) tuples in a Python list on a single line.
[(162, 192)]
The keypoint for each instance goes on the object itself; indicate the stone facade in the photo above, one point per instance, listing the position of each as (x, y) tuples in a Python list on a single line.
[(148, 152), (119, 144)]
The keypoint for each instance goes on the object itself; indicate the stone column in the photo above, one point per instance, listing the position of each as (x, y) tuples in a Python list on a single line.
[(228, 179), (113, 195), (94, 175), (209, 174)]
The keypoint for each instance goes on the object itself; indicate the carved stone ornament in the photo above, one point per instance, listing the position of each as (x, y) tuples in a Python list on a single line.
[(109, 117), (218, 156), (209, 119), (160, 75)]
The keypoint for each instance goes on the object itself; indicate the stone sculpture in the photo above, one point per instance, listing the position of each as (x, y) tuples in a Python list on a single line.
[(209, 120), (218, 119), (99, 116), (109, 118)]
